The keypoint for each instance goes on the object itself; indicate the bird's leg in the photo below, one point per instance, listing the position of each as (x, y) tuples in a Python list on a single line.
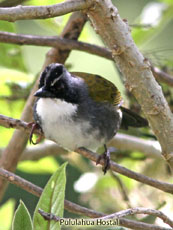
[(106, 157), (34, 126)]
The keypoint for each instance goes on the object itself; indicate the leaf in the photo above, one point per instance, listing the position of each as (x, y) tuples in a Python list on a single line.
[(22, 219), (5, 220), (51, 201)]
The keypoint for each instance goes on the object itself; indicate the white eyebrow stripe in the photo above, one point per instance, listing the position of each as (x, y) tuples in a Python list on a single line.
[(54, 81)]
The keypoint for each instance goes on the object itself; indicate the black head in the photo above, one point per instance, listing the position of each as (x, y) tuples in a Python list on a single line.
[(57, 82), (50, 74)]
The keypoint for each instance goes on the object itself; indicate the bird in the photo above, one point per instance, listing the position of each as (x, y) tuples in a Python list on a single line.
[(77, 109)]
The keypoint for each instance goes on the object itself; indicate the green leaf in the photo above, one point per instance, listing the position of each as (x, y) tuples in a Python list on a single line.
[(22, 219), (51, 200), (5, 220)]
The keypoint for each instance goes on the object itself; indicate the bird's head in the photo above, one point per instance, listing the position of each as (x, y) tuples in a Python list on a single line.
[(53, 81), (57, 83)]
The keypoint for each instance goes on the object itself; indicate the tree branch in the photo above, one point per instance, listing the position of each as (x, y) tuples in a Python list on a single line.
[(122, 142), (54, 41), (35, 190), (13, 14), (72, 207), (166, 187), (126, 142), (136, 70), (64, 43), (114, 166), (149, 147), (9, 122), (140, 210), (137, 225), (162, 76)]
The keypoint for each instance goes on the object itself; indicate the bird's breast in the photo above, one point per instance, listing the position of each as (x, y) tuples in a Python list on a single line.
[(59, 125)]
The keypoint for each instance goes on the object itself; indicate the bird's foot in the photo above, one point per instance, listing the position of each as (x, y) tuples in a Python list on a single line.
[(34, 126), (106, 158)]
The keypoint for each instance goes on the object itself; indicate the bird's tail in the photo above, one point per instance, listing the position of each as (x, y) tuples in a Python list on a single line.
[(132, 119)]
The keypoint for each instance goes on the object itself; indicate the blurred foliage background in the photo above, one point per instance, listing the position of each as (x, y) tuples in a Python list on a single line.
[(152, 29)]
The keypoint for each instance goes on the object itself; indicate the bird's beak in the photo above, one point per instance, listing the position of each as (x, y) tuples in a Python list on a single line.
[(42, 92)]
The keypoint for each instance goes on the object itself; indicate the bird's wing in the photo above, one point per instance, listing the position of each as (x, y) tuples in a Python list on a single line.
[(100, 89)]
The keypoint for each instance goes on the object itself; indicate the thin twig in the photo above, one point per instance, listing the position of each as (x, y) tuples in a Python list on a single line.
[(114, 166), (121, 188), (141, 210)]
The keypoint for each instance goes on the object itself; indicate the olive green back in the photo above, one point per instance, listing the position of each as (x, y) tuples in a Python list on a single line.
[(100, 89)]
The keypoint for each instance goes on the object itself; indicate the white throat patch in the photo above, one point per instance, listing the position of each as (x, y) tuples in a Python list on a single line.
[(48, 108)]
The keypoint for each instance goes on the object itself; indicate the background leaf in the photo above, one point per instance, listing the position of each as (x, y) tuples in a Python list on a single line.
[(22, 219)]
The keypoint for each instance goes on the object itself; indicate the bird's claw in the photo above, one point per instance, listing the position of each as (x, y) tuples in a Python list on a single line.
[(34, 126), (106, 158)]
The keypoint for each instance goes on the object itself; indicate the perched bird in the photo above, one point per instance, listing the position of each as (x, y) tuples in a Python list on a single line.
[(80, 110)]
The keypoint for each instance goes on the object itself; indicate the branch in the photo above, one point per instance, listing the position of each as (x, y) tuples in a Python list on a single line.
[(137, 225), (121, 188), (9, 122), (121, 141), (64, 43), (126, 142), (166, 187), (72, 207), (35, 190), (13, 14), (140, 210), (115, 167), (136, 70), (162, 76), (54, 41), (149, 147)]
